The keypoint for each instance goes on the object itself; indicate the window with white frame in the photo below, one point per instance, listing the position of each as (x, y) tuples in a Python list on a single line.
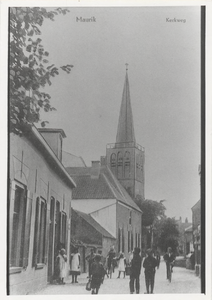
[(40, 231), (18, 226)]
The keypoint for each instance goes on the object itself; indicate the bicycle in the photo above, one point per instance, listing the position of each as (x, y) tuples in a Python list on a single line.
[(169, 271)]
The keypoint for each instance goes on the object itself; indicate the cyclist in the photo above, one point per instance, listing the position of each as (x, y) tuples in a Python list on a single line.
[(169, 258)]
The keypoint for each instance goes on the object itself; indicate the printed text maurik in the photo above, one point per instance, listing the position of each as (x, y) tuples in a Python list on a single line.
[(81, 19)]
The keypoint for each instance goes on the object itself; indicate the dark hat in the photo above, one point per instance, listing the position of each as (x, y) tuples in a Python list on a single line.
[(97, 257), (136, 250)]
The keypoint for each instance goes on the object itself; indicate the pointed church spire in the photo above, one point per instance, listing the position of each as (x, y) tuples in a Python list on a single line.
[(125, 132)]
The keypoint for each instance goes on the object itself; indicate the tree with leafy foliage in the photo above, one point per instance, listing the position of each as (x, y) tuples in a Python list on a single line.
[(29, 68), (166, 234), (152, 210)]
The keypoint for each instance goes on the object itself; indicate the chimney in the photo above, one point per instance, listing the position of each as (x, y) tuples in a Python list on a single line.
[(95, 169), (103, 160), (54, 138)]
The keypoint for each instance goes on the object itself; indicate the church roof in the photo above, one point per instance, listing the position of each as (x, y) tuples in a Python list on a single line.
[(125, 132), (106, 186)]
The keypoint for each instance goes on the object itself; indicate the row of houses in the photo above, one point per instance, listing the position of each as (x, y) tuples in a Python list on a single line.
[(55, 200), (190, 238)]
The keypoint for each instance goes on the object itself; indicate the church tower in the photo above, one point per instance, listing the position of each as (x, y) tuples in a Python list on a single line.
[(126, 158)]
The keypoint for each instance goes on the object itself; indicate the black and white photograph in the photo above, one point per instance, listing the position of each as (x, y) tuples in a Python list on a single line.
[(106, 166)]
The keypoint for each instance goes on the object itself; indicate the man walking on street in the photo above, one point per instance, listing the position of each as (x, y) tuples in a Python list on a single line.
[(135, 271), (150, 263)]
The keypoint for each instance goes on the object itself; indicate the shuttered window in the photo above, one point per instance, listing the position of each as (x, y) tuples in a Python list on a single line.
[(131, 241), (40, 232), (57, 228), (21, 206), (63, 229), (123, 240), (119, 239), (18, 229)]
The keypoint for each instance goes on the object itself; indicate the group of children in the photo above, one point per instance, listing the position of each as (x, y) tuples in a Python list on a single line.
[(97, 271)]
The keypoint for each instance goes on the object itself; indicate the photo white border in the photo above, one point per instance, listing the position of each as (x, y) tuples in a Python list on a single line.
[(4, 4)]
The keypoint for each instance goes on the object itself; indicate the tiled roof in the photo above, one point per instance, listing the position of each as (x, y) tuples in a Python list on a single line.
[(105, 187), (119, 190), (88, 188), (94, 224), (77, 171)]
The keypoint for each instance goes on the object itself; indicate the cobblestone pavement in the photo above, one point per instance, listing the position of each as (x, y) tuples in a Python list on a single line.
[(183, 281)]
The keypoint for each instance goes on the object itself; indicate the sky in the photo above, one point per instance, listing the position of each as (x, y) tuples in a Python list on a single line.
[(164, 78)]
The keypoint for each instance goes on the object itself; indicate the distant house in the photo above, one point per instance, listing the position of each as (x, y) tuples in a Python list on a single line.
[(39, 208), (101, 196), (182, 248), (91, 234), (188, 237), (196, 223)]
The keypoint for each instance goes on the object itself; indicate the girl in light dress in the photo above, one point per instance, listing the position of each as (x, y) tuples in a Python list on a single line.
[(75, 265), (62, 265), (121, 265)]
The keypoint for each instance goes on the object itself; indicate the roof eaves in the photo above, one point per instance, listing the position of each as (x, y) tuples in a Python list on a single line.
[(51, 154)]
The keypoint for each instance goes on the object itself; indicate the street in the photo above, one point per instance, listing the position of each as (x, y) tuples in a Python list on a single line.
[(183, 281)]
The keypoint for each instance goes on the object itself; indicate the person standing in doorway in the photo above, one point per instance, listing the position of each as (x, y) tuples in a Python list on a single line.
[(150, 263), (61, 267), (135, 271), (75, 265)]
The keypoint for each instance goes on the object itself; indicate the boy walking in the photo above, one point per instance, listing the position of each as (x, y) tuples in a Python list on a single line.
[(97, 274), (135, 271), (150, 263)]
